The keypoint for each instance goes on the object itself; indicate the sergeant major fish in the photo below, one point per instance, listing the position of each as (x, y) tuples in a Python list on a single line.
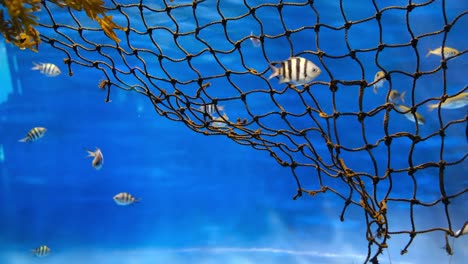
[(34, 134), (295, 69), (448, 52), (48, 69), (409, 115), (41, 251), (98, 158), (124, 198), (211, 109), (454, 102)]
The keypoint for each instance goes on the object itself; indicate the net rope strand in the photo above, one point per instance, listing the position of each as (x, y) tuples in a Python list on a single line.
[(143, 62)]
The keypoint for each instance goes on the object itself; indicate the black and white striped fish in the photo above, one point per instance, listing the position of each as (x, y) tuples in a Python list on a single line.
[(124, 198), (48, 69), (295, 69), (34, 134), (41, 251), (211, 109)]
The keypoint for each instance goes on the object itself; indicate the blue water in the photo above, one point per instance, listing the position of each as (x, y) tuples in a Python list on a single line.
[(206, 199)]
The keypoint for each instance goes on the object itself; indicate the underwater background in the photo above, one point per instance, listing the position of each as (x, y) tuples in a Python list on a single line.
[(204, 199)]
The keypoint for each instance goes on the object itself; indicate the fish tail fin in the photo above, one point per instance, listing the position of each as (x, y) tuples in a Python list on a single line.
[(36, 66), (429, 53), (402, 96), (275, 71), (26, 139), (432, 106), (90, 153)]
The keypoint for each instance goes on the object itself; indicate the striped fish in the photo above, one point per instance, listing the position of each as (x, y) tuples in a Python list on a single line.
[(124, 198), (41, 251), (295, 69), (98, 158), (48, 69), (34, 134), (211, 109)]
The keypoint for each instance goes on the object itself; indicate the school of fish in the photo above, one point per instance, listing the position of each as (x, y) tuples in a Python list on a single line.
[(398, 98), (36, 133), (294, 70)]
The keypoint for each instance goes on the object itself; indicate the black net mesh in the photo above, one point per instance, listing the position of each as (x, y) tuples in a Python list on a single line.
[(198, 64)]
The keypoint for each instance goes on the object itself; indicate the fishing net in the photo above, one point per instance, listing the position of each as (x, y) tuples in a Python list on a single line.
[(206, 64)]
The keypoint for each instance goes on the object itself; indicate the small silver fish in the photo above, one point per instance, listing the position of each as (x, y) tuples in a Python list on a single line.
[(98, 158), (448, 52), (48, 69), (409, 115), (34, 134), (124, 198), (396, 96), (455, 102), (255, 40), (379, 78), (41, 251), (295, 69)]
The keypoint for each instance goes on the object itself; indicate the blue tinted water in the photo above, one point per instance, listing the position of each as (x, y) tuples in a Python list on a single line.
[(207, 199)]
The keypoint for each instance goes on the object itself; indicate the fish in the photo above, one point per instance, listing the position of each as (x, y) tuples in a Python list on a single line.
[(409, 115), (379, 78), (396, 96), (48, 69), (41, 251), (98, 158), (255, 40), (448, 52), (211, 109), (462, 231), (454, 102), (124, 198), (220, 121), (295, 69), (34, 134)]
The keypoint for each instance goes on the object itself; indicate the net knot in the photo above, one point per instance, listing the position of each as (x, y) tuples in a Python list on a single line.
[(416, 138), (348, 24), (388, 140), (410, 7), (442, 164), (333, 86), (361, 116), (378, 15), (447, 28), (317, 28)]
